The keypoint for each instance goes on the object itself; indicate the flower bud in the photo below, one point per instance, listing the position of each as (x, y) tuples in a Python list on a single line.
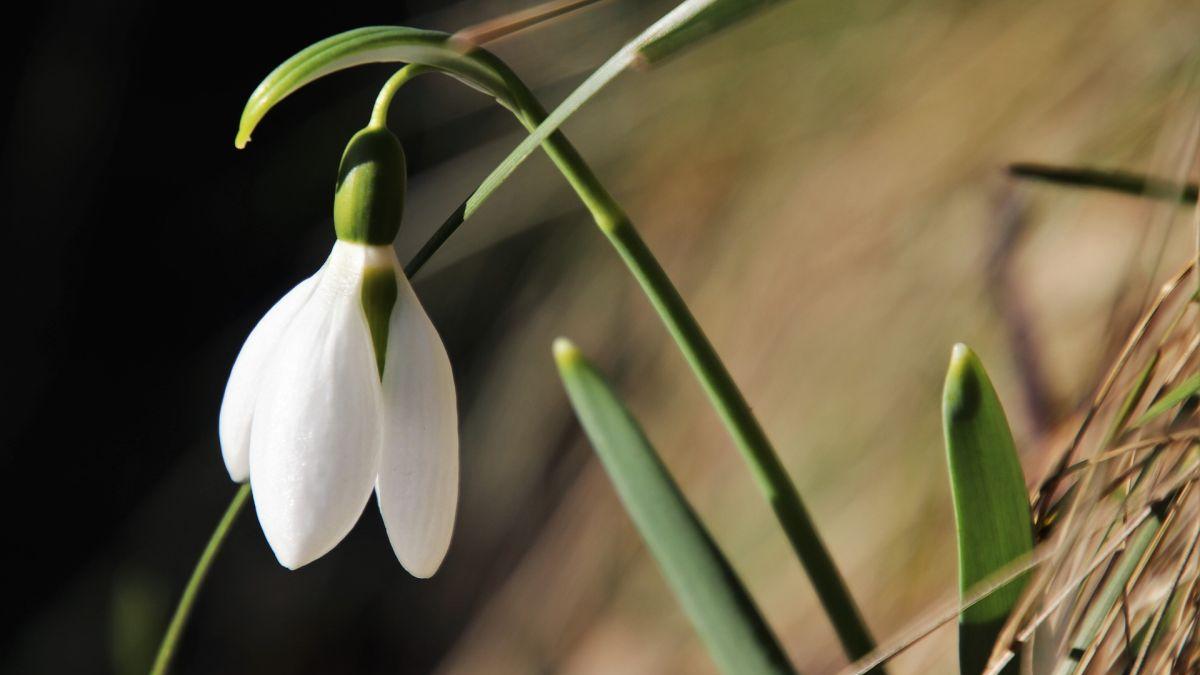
[(368, 200)]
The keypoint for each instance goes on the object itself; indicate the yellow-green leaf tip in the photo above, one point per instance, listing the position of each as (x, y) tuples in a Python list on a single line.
[(245, 128), (960, 356), (962, 389), (565, 352), (252, 114)]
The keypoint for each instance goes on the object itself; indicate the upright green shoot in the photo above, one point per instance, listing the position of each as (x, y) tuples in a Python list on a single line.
[(991, 504), (712, 595)]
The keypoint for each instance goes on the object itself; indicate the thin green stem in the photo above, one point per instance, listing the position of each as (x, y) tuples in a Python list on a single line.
[(751, 439), (723, 392), (170, 641), (383, 102)]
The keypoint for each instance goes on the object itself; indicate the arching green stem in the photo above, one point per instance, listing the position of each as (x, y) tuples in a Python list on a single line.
[(723, 392), (484, 72)]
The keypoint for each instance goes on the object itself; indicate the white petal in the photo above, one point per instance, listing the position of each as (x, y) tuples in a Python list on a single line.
[(418, 475), (315, 441), (237, 407)]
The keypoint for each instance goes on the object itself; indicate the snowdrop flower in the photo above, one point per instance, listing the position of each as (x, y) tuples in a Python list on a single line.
[(344, 389)]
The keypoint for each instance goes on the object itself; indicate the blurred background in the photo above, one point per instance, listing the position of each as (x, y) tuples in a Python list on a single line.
[(824, 183)]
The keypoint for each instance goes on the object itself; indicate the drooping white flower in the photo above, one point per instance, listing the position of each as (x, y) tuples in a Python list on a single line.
[(345, 388)]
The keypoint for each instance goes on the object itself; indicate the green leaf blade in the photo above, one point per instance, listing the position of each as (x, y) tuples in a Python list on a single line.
[(1172, 398), (1114, 588), (991, 505), (712, 594), (712, 19)]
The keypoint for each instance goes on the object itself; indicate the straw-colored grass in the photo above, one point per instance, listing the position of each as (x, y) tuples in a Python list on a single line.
[(1133, 609)]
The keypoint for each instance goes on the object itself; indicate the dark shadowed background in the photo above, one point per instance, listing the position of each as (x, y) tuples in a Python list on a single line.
[(823, 182)]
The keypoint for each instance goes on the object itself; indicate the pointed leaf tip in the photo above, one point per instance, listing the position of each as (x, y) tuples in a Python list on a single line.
[(960, 398), (565, 352), (991, 504), (959, 354), (708, 588)]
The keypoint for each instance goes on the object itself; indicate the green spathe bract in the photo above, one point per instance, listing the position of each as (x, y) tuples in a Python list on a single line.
[(368, 201), (372, 44), (737, 636), (991, 505), (368, 205)]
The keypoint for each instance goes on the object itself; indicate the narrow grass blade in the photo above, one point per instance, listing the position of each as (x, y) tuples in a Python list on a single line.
[(991, 506), (1101, 604), (1187, 388), (1125, 182), (725, 616), (614, 66), (716, 17), (1140, 384)]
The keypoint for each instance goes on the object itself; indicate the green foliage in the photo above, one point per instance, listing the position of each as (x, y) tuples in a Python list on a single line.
[(1112, 591), (710, 591), (716, 17), (991, 506), (547, 125)]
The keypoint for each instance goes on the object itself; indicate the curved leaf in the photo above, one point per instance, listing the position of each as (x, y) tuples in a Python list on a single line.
[(375, 44), (991, 505), (710, 591)]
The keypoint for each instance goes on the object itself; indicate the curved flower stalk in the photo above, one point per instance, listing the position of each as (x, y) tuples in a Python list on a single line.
[(344, 389), (425, 50)]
